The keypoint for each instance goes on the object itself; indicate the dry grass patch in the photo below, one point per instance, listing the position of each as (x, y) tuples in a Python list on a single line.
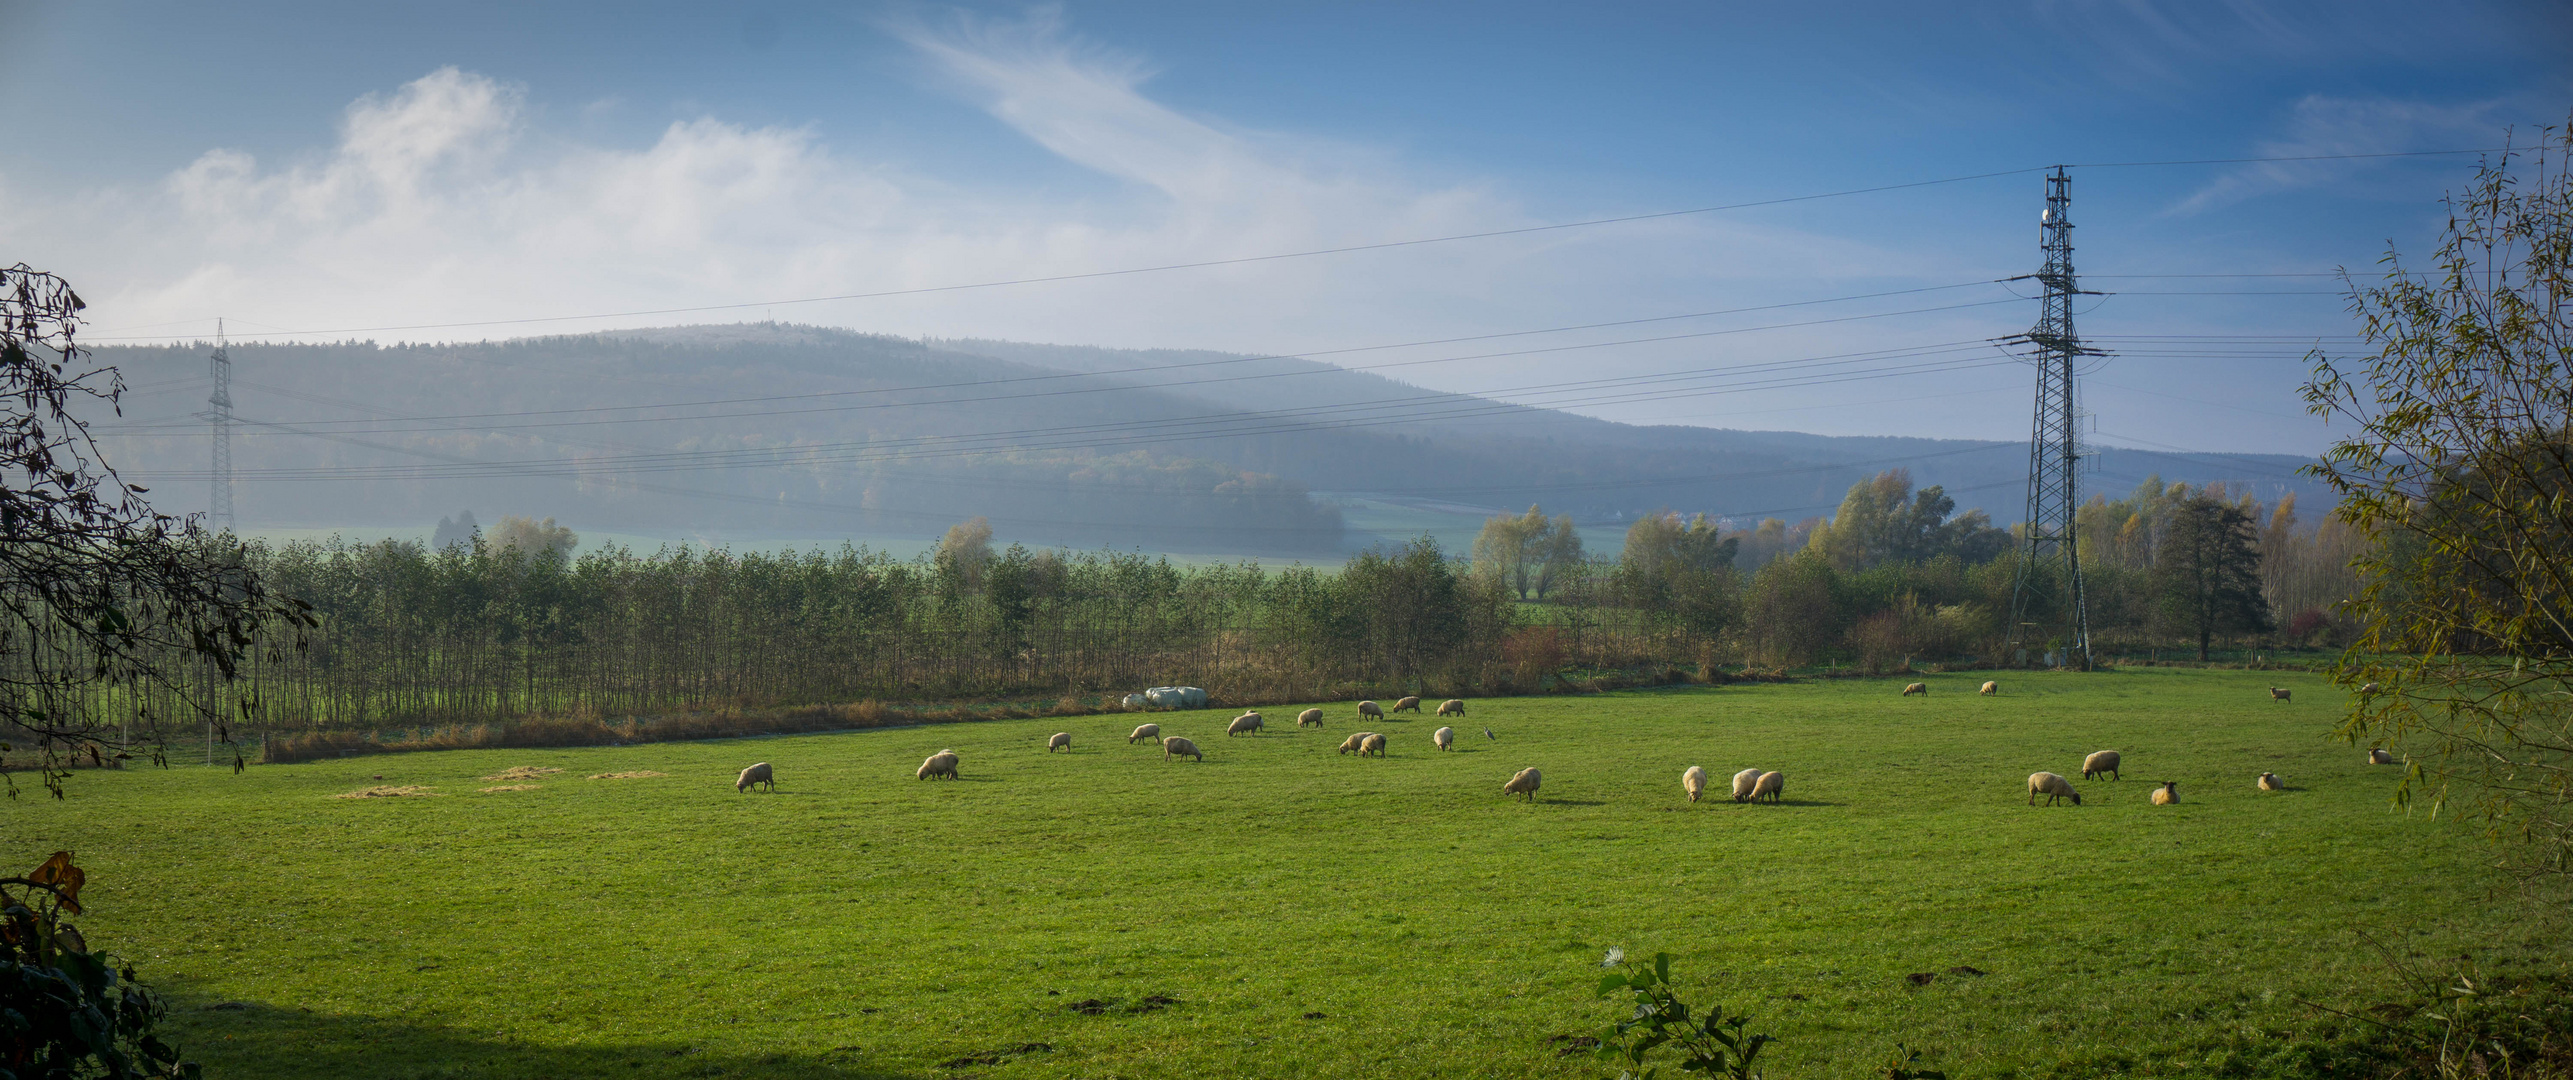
[(524, 772), (512, 787), (635, 775), (385, 792)]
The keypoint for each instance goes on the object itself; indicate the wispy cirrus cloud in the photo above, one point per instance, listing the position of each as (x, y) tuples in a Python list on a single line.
[(2323, 127)]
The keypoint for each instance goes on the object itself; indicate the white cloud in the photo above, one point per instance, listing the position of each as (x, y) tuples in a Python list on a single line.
[(2322, 126)]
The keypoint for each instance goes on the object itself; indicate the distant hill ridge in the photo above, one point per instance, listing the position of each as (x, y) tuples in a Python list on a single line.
[(825, 432)]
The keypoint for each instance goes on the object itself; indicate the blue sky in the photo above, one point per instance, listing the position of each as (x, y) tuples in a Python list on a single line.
[(327, 168)]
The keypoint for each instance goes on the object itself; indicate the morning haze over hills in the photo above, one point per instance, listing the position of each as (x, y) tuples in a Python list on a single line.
[(765, 434)]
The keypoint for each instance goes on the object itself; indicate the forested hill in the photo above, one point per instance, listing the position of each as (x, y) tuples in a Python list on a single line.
[(802, 431)]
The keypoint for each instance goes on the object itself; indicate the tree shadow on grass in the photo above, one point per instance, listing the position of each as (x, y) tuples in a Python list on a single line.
[(233, 1038)]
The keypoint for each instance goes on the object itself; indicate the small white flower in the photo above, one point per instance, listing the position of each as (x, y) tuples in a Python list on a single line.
[(1615, 957)]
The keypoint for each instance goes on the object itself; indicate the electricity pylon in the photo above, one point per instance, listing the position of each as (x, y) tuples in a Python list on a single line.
[(218, 414), (2046, 600)]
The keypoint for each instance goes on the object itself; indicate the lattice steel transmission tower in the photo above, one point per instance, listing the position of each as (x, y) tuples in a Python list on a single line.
[(218, 414), (2046, 601)]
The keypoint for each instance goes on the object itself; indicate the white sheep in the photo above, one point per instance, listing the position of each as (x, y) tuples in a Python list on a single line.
[(2269, 781), (2051, 786), (1771, 786), (1369, 708), (1372, 744), (1743, 782), (1452, 707), (1309, 718), (2381, 756), (1990, 687), (942, 763), (2103, 762), (756, 775), (1175, 747), (2167, 794), (1408, 704), (1062, 740), (1142, 732), (1249, 721), (1354, 742), (2277, 694), (1920, 688), (1445, 738), (1524, 783), (1694, 782)]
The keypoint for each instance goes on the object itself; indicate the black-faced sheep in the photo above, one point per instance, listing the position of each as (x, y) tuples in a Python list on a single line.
[(942, 763), (2277, 693), (2381, 756), (2167, 794), (2051, 786), (1524, 783), (1177, 747), (756, 775), (2269, 781), (2103, 762)]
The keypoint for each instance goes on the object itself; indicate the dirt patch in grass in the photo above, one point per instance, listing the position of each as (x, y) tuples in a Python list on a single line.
[(511, 787), (638, 774), (524, 772), (383, 792)]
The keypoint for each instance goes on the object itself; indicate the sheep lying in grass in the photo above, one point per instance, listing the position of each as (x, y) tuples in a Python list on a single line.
[(2381, 756), (1524, 782), (2370, 688), (2051, 786), (1177, 747), (1990, 687), (1743, 782), (2103, 762), (1445, 738), (942, 763), (1408, 704), (2167, 794), (1142, 732), (1694, 782), (1249, 721), (1062, 740), (1372, 744), (1452, 707), (756, 775), (1369, 708), (2269, 781), (1356, 740), (2277, 693), (1309, 718), (1771, 786), (1920, 688)]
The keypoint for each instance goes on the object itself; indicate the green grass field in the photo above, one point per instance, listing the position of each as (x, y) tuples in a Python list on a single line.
[(861, 923)]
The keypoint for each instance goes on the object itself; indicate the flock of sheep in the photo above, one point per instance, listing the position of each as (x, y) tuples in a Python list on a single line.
[(1749, 785)]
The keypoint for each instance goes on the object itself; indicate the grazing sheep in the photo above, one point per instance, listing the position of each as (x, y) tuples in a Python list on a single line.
[(2051, 786), (1452, 707), (1249, 721), (1524, 783), (2277, 694), (1743, 782), (2167, 794), (1309, 718), (1369, 708), (2103, 762), (1372, 744), (1355, 740), (2269, 781), (756, 774), (1771, 786), (2381, 756), (1445, 737), (1694, 782), (1920, 688), (1411, 703), (1142, 732), (1990, 687), (942, 763), (1062, 740), (1176, 746)]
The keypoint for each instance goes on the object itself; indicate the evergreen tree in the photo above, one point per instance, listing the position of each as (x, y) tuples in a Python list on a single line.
[(2208, 572)]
